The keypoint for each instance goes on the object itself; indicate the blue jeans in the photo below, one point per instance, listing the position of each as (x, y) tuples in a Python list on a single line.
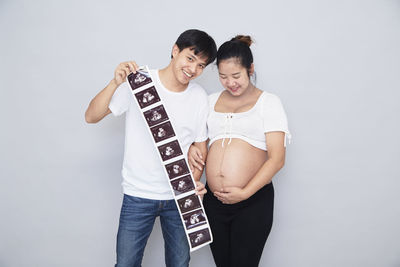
[(135, 225)]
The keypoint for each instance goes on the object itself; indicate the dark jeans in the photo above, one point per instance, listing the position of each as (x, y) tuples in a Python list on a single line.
[(240, 230), (135, 225)]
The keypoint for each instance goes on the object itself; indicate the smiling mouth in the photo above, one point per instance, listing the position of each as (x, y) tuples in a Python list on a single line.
[(187, 74)]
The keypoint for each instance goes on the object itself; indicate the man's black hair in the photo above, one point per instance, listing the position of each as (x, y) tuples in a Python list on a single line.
[(200, 42)]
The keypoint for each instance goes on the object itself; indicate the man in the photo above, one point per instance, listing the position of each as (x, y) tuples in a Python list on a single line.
[(147, 193)]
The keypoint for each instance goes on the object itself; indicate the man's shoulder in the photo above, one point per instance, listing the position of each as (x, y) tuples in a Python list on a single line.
[(197, 90)]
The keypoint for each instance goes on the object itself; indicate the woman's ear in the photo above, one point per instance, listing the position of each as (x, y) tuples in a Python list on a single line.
[(251, 70)]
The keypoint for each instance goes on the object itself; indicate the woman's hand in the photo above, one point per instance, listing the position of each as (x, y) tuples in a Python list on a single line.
[(231, 195), (195, 158)]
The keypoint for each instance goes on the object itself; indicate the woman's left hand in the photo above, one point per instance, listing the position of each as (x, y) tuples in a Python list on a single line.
[(230, 195)]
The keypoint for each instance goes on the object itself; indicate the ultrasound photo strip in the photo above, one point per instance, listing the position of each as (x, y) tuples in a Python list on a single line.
[(182, 184), (200, 237), (194, 218), (177, 168), (155, 115), (170, 150)]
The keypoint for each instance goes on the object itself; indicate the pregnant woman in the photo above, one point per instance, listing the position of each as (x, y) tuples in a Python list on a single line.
[(247, 135)]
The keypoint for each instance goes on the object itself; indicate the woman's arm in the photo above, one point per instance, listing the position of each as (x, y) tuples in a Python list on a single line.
[(197, 152), (197, 155), (275, 161)]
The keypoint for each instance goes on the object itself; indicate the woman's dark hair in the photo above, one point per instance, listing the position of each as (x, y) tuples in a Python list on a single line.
[(239, 48), (200, 42)]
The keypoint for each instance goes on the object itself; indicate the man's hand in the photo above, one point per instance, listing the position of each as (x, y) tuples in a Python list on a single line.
[(123, 70), (98, 107)]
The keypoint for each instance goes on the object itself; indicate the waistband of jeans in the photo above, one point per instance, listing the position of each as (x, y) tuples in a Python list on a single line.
[(259, 194)]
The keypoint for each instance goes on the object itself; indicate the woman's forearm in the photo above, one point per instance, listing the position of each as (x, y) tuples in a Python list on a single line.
[(264, 175)]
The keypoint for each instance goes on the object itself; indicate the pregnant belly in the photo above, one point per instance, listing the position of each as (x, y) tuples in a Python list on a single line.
[(232, 165)]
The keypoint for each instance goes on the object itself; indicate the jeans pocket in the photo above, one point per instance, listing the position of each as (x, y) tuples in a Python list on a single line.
[(137, 204)]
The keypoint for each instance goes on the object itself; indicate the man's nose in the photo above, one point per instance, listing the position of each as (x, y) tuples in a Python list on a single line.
[(193, 68)]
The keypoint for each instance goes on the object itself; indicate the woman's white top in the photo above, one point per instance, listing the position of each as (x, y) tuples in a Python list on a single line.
[(267, 115)]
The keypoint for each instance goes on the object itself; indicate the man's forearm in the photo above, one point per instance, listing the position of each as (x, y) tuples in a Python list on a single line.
[(98, 107)]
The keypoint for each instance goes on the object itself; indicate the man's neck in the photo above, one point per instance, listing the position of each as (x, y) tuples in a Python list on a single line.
[(169, 80)]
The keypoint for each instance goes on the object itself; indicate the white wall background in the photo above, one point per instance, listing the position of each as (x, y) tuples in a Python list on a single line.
[(335, 65)]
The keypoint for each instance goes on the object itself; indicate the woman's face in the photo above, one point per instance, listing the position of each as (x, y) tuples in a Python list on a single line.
[(233, 76)]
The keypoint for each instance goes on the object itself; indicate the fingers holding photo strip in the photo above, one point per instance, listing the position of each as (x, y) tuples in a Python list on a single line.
[(123, 70), (139, 78)]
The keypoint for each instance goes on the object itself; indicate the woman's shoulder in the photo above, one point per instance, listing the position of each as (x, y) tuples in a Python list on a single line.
[(214, 96), (269, 102), (269, 96), (268, 99)]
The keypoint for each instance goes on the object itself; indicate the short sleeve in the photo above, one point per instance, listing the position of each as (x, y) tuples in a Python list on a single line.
[(212, 99), (121, 100), (274, 116), (202, 133)]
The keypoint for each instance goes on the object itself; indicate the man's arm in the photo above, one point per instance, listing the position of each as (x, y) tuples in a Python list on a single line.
[(202, 146), (98, 107)]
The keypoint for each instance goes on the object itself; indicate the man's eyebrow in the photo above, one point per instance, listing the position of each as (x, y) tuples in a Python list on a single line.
[(199, 59), (193, 55), (236, 73)]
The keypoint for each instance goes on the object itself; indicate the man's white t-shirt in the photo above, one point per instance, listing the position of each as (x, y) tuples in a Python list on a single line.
[(142, 171)]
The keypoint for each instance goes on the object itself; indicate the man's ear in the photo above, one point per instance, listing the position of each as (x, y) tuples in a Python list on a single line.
[(175, 51)]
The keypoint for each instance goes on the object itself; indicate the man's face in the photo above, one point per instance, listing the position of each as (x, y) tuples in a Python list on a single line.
[(186, 65)]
